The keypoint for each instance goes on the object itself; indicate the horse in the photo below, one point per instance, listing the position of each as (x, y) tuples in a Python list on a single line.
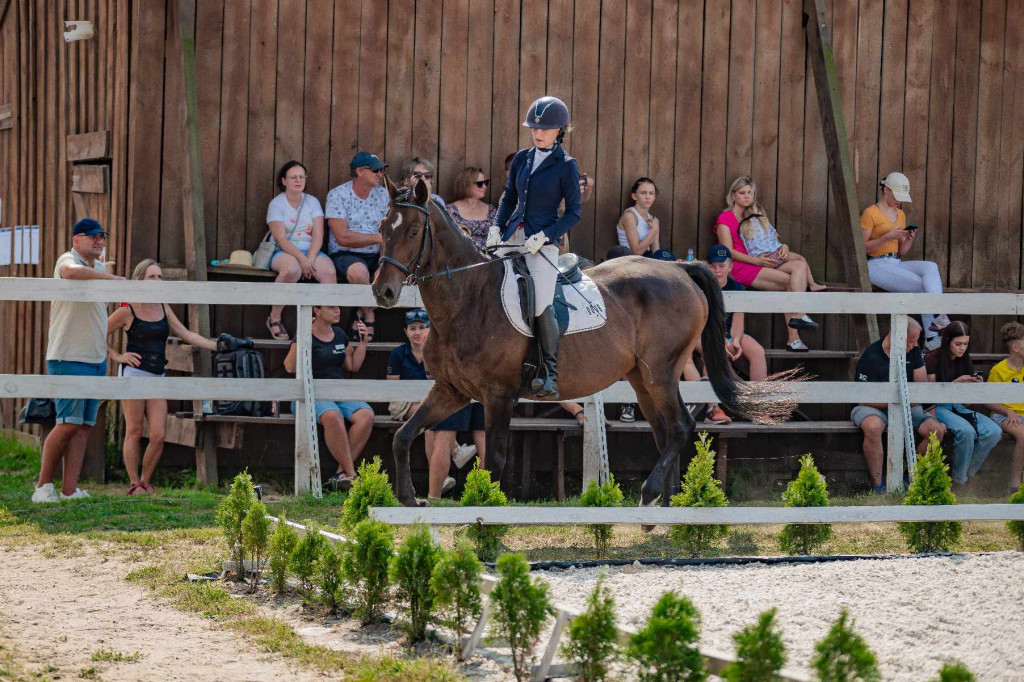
[(656, 312)]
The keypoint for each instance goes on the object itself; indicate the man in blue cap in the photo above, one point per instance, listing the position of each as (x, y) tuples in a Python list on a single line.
[(354, 211), (77, 346)]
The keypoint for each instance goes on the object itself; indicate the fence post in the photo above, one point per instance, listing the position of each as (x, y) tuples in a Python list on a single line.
[(307, 442), (595, 441), (897, 412)]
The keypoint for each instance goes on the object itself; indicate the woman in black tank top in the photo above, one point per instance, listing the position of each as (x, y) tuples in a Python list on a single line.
[(147, 326)]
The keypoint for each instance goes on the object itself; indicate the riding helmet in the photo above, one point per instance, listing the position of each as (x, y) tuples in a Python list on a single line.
[(547, 113)]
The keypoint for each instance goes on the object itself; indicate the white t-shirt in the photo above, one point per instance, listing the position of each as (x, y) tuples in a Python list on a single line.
[(297, 221), (642, 228), (78, 331), (362, 215)]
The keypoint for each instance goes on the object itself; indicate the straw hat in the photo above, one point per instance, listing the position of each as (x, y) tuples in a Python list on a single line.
[(241, 258)]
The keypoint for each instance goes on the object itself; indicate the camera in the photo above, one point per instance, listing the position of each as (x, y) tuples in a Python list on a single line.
[(227, 343)]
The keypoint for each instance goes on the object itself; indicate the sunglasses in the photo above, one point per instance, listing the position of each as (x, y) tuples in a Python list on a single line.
[(102, 236), (424, 176), (378, 171), (482, 183)]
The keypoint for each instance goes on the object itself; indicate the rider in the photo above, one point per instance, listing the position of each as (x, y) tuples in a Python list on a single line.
[(545, 175)]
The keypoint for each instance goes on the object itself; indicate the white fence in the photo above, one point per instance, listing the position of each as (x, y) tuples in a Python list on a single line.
[(304, 388)]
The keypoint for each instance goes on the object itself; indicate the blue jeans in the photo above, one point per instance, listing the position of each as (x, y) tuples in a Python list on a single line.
[(970, 447), (79, 412)]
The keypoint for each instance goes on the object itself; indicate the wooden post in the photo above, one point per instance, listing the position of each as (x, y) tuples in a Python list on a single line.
[(558, 474), (307, 441), (840, 168), (595, 442), (540, 673), (195, 228), (897, 416)]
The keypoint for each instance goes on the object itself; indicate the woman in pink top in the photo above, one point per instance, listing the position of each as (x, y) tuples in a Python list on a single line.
[(763, 272)]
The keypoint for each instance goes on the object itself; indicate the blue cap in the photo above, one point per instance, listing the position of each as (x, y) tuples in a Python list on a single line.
[(366, 160), (88, 227), (719, 253), (417, 315), (663, 254)]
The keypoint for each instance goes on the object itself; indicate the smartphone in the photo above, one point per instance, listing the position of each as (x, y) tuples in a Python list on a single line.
[(910, 228), (980, 375)]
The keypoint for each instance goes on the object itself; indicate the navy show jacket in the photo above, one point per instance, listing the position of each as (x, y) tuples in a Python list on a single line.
[(534, 198)]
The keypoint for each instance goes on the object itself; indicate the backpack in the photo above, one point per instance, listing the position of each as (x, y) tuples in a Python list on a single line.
[(240, 364)]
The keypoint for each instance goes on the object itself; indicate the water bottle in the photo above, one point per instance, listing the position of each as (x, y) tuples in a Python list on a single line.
[(689, 255), (215, 263), (207, 407)]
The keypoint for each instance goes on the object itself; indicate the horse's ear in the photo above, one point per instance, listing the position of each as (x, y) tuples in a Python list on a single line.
[(421, 193), (390, 186)]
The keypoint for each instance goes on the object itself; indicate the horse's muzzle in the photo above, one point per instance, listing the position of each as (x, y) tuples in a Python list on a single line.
[(387, 294)]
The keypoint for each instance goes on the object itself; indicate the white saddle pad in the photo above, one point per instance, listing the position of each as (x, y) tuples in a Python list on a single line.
[(584, 296)]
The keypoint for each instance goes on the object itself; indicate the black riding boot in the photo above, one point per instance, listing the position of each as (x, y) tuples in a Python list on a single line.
[(546, 328)]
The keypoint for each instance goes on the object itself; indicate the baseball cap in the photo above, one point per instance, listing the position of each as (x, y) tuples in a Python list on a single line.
[(366, 160), (900, 186), (88, 227), (719, 253), (417, 315)]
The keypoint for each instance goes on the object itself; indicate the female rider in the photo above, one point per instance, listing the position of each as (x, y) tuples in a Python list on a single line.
[(548, 176)]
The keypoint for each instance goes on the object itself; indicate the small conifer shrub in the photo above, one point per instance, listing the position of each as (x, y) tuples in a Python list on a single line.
[(456, 587), (807, 490), (304, 557), (412, 568), (365, 565), (760, 653), (593, 638), (255, 539), (230, 515), (931, 485), (1017, 527), (700, 489), (667, 649), (372, 488), (843, 655), (521, 607), (954, 671), (607, 494), (479, 491), (282, 544), (328, 576)]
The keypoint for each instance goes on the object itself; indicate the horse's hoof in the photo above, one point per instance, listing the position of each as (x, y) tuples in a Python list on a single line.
[(409, 502), (645, 528)]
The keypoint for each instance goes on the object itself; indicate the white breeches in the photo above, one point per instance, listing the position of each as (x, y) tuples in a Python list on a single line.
[(543, 267)]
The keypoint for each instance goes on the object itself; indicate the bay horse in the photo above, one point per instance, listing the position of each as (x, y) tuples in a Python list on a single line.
[(656, 313)]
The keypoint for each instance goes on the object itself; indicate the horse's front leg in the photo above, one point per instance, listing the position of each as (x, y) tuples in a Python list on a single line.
[(441, 402), (498, 411)]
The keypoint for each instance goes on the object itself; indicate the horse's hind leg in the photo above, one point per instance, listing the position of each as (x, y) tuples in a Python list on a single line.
[(677, 424), (441, 401)]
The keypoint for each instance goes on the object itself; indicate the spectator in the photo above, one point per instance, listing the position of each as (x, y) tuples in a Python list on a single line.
[(1008, 416), (887, 238), (147, 326), (761, 273), (974, 434), (406, 362), (417, 168), (469, 210), (296, 223), (872, 418), (76, 347), (637, 228), (331, 361), (354, 212), (761, 239), (618, 252)]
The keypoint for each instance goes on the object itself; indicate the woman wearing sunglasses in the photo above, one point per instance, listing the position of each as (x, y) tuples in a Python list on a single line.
[(417, 168), (469, 210)]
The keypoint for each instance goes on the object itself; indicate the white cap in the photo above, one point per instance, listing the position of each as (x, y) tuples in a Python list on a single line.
[(900, 186)]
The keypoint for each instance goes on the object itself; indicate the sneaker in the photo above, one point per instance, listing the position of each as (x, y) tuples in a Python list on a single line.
[(449, 483), (627, 413), (939, 322), (933, 342), (717, 415), (45, 493), (79, 494), (880, 488), (464, 454)]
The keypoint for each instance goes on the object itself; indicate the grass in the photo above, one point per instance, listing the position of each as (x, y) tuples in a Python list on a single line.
[(107, 656)]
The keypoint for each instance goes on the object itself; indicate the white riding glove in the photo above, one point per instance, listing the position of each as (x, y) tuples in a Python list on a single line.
[(493, 236), (534, 243)]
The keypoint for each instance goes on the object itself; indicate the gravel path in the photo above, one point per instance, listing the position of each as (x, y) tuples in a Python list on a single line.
[(914, 612)]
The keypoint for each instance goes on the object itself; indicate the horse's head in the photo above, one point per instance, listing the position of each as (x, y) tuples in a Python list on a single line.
[(405, 238)]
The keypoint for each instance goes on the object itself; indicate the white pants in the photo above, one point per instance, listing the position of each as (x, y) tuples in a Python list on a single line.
[(543, 267), (907, 277)]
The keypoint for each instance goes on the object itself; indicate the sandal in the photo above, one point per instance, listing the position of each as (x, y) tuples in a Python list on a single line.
[(580, 419), (135, 489), (340, 481), (149, 488), (281, 334), (797, 346)]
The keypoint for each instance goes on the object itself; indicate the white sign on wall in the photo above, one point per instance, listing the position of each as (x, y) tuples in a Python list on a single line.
[(19, 245)]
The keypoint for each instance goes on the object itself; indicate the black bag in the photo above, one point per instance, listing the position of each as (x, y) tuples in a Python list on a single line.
[(240, 364), (38, 411)]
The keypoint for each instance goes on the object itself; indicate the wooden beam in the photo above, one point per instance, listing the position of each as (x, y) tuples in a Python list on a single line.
[(6, 118), (3, 11), (840, 167), (90, 179), (89, 146)]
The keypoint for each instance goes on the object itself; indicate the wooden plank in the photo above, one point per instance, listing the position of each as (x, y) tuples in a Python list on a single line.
[(740, 105), (121, 30), (291, 58), (533, 42), (965, 142), (181, 358), (210, 61), (789, 174), (316, 128), (687, 226), (454, 83), (766, 120), (661, 160), (585, 78), (479, 94), (895, 455), (172, 176), (1012, 156), (868, 84), (637, 88), (940, 138), (307, 453), (559, 53), (6, 119), (260, 171), (344, 91), (913, 116), (894, 89), (401, 41), (89, 146), (427, 89), (611, 107), (714, 100), (90, 179), (373, 45)]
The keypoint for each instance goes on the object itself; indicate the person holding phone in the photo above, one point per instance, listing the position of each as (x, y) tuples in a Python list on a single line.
[(974, 434), (887, 239)]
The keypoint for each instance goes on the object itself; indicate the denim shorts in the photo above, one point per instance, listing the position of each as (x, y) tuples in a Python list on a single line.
[(346, 407), (469, 418), (917, 415), (998, 418), (79, 411)]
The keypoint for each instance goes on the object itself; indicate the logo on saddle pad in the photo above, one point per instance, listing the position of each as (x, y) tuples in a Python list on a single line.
[(579, 306)]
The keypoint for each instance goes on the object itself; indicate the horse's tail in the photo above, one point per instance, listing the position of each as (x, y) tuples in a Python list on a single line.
[(727, 384)]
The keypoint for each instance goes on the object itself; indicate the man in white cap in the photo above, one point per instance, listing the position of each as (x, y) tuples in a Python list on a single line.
[(887, 238)]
